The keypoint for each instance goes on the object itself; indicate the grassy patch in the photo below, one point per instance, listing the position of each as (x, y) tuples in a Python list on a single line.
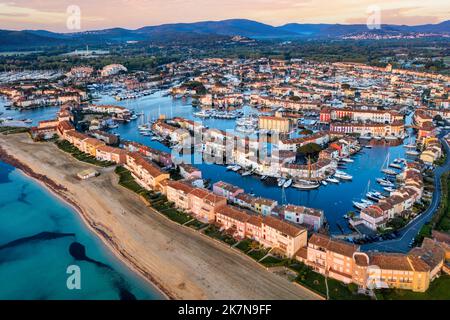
[(126, 180), (439, 290), (244, 245), (66, 146), (214, 232), (11, 130), (258, 254), (175, 215), (310, 279), (197, 225), (443, 215), (157, 201), (424, 232), (271, 261), (340, 291)]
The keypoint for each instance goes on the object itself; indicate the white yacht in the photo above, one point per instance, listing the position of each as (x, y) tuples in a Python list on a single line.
[(287, 184)]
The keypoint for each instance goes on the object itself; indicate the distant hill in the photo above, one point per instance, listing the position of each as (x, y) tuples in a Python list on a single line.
[(232, 27), (204, 29), (338, 30), (11, 39)]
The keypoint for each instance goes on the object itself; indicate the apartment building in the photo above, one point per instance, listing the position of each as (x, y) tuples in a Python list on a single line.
[(227, 190), (329, 257), (90, 145), (395, 129), (310, 218), (328, 115), (269, 231), (178, 193), (146, 174), (111, 154), (275, 124), (283, 236), (203, 204), (374, 270)]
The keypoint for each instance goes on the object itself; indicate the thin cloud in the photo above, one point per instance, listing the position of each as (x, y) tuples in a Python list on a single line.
[(98, 14)]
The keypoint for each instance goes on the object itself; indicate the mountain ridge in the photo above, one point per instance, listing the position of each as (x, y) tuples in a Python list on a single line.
[(223, 28)]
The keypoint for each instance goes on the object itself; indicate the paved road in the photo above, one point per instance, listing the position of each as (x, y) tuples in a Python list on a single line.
[(408, 233)]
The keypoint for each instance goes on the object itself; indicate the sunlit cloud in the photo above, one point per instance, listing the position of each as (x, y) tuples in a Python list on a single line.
[(51, 14)]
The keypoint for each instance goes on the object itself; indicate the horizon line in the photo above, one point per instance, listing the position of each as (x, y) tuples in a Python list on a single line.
[(230, 19)]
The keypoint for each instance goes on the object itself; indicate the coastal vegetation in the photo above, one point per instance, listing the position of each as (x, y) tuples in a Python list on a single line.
[(319, 284), (66, 146), (126, 180), (214, 232), (309, 150), (310, 279), (305, 276), (12, 130), (420, 53), (197, 86), (439, 290), (443, 213), (441, 220), (156, 200)]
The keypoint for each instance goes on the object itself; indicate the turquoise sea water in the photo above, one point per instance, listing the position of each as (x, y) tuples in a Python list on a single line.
[(36, 232)]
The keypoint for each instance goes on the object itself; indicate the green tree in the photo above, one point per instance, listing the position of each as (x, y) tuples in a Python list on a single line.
[(309, 149)]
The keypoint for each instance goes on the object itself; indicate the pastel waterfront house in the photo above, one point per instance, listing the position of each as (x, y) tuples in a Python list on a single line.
[(253, 228), (148, 175), (90, 145), (227, 190), (244, 200), (271, 232), (329, 257), (344, 262), (373, 217), (112, 154), (63, 128), (264, 206), (233, 220), (76, 138), (275, 124), (203, 204), (189, 172), (286, 238), (178, 193), (396, 270), (308, 217)]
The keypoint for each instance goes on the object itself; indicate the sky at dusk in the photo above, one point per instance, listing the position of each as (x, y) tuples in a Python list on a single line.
[(99, 14)]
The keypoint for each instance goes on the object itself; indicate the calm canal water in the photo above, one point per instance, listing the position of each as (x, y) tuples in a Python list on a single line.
[(334, 199)]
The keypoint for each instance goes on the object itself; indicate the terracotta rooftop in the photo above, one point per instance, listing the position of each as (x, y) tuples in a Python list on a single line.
[(177, 185), (337, 246), (233, 213), (397, 261), (283, 226)]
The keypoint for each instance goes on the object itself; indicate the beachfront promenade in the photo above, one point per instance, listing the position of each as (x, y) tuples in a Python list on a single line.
[(409, 232), (182, 262)]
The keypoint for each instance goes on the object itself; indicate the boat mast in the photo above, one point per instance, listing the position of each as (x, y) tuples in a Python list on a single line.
[(309, 167)]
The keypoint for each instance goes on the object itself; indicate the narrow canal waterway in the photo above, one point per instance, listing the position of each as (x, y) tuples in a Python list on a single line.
[(334, 199)]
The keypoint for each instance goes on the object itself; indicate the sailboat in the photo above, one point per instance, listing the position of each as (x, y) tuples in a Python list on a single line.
[(412, 153), (307, 184), (287, 184), (385, 167), (410, 145)]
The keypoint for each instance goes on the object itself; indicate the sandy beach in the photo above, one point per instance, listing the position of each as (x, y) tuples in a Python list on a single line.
[(181, 262)]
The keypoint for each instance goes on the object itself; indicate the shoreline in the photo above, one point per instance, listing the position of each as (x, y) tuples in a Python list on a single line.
[(179, 262), (56, 190)]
